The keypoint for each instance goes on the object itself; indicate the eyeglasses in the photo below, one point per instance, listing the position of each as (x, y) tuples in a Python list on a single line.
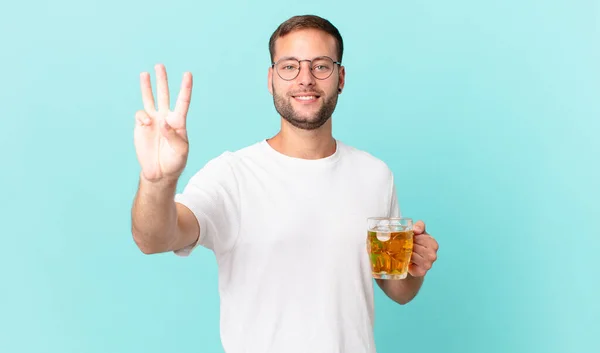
[(321, 67)]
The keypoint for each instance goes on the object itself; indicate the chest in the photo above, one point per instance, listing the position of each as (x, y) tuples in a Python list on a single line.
[(309, 211)]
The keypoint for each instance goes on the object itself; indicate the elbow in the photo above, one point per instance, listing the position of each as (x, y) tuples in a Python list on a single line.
[(407, 298), (147, 250), (144, 245), (403, 301), (402, 298)]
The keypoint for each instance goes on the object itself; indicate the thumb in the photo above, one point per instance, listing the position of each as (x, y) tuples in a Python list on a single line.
[(419, 227), (175, 141)]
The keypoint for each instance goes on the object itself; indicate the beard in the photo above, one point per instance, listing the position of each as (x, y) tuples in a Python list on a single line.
[(283, 105)]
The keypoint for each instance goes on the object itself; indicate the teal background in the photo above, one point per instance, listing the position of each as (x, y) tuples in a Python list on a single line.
[(488, 113)]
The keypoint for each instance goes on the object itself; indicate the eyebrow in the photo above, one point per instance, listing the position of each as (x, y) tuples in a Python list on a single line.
[(288, 57), (293, 57)]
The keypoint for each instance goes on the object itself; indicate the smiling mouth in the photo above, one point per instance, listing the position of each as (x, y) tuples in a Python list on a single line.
[(306, 98)]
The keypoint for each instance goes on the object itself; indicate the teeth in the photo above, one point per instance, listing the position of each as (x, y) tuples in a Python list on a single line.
[(305, 98)]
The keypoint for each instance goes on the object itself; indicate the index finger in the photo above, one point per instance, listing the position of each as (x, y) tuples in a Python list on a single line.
[(185, 96), (147, 97)]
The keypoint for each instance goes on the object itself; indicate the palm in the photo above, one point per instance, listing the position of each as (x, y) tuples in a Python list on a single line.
[(160, 135)]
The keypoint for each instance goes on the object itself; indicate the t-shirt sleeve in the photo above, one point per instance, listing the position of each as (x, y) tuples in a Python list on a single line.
[(212, 194)]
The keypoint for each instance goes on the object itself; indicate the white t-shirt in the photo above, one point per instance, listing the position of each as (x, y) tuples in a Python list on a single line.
[(289, 236)]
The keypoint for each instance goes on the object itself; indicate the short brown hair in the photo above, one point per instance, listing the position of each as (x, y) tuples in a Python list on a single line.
[(305, 22)]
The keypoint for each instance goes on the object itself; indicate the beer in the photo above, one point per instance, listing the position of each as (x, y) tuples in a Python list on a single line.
[(390, 251)]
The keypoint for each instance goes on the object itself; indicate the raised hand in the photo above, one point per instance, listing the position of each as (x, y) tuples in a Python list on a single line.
[(160, 135)]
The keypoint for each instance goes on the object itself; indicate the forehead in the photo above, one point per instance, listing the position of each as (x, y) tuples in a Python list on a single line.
[(305, 44)]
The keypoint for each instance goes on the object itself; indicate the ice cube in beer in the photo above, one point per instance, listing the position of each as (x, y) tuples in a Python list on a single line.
[(383, 235)]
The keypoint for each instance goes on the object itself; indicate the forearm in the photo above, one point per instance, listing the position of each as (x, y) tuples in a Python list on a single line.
[(401, 291), (154, 216)]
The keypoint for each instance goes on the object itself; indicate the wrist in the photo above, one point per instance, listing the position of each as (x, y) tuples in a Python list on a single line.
[(159, 184)]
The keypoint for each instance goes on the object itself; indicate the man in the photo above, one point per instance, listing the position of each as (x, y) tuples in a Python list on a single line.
[(285, 217)]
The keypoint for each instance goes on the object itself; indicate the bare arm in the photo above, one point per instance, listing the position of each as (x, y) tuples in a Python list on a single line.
[(401, 291), (424, 254), (159, 224), (161, 144)]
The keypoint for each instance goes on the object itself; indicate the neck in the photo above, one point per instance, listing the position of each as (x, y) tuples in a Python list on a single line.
[(305, 144)]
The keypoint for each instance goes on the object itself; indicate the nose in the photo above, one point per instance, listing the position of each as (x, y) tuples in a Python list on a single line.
[(305, 77)]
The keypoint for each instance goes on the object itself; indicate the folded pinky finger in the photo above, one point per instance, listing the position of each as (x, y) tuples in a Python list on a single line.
[(416, 270)]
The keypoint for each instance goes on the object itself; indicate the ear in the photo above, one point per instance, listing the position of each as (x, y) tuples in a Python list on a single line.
[(342, 80), (270, 80)]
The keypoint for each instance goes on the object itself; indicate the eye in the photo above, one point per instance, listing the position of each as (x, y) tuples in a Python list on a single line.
[(289, 65), (321, 67)]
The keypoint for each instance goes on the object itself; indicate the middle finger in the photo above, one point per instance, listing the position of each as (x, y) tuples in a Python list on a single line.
[(162, 88)]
